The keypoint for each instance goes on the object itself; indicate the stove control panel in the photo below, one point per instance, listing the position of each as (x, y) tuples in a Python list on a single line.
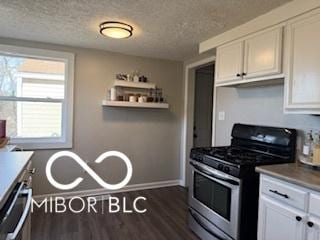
[(221, 166)]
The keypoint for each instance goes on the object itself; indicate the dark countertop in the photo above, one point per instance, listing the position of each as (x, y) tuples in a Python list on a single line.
[(12, 165), (295, 173)]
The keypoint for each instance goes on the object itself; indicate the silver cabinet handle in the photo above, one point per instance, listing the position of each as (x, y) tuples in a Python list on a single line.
[(28, 182), (24, 216), (32, 171)]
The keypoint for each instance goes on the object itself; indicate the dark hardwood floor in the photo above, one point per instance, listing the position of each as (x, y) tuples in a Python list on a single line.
[(166, 218)]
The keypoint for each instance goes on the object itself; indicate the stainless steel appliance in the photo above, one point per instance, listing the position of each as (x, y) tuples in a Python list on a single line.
[(223, 196), (15, 215)]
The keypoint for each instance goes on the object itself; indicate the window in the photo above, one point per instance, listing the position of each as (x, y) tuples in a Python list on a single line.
[(36, 96)]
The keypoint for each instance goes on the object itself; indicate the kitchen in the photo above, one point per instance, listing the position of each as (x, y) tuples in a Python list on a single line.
[(265, 103)]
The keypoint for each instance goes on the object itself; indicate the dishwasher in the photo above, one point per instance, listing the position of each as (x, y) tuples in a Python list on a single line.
[(15, 216)]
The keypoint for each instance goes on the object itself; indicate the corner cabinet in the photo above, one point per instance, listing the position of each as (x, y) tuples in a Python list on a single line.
[(302, 85), (257, 57), (287, 211)]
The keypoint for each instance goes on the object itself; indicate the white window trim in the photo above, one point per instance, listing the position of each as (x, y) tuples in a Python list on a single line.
[(66, 140)]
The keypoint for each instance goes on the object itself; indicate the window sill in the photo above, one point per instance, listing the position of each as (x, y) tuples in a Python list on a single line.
[(41, 144)]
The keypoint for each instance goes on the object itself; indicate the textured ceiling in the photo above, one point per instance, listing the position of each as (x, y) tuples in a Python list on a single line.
[(169, 29)]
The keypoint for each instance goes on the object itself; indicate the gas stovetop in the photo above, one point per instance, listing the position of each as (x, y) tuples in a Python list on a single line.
[(241, 156), (235, 160), (250, 146)]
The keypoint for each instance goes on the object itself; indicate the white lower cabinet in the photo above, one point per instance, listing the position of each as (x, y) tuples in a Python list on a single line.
[(287, 211), (279, 222)]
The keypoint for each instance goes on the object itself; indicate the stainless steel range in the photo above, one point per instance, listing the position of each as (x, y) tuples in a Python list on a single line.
[(223, 196)]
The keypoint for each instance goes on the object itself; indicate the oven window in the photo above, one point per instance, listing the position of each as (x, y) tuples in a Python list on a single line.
[(212, 194)]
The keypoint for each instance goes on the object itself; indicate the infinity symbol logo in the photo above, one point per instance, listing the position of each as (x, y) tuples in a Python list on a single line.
[(92, 173)]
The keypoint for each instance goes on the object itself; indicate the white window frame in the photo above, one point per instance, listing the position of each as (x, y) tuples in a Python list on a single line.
[(66, 139)]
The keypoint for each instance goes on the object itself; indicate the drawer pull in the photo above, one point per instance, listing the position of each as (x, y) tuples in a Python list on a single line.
[(32, 171), (278, 193), (28, 182), (298, 218), (310, 224)]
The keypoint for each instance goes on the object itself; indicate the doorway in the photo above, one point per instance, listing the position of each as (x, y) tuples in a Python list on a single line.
[(199, 112), (203, 106)]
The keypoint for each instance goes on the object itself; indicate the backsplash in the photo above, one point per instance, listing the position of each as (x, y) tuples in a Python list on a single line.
[(261, 105)]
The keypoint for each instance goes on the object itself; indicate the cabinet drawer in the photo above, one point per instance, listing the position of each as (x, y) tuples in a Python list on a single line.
[(314, 204), (284, 192)]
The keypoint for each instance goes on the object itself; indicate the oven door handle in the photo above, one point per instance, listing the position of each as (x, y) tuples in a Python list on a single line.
[(211, 174), (24, 216), (204, 226), (14, 200)]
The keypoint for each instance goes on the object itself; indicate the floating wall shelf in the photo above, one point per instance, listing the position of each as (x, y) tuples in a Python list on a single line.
[(127, 84), (107, 103)]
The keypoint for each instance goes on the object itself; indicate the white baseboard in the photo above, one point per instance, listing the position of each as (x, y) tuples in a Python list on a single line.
[(182, 183), (102, 191)]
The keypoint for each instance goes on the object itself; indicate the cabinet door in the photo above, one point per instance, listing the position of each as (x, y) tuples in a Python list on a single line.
[(313, 231), (229, 62), (263, 54), (303, 74), (279, 222)]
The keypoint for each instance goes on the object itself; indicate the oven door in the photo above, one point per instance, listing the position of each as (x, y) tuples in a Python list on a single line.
[(216, 196)]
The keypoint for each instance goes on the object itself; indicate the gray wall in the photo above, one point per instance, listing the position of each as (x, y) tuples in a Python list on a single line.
[(257, 105), (150, 138)]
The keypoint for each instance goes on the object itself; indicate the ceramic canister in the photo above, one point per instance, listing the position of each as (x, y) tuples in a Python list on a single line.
[(132, 99)]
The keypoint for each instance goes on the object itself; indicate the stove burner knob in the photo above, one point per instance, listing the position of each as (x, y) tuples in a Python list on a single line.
[(226, 169), (220, 167), (198, 157)]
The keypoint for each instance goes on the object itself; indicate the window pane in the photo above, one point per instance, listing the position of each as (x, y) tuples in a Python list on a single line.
[(37, 88), (32, 119), (28, 77)]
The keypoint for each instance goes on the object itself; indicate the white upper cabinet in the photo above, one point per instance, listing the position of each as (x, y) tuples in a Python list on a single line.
[(229, 62), (257, 57), (303, 64), (263, 54)]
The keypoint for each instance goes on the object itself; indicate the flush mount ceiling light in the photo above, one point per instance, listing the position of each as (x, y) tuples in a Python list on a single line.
[(116, 29)]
